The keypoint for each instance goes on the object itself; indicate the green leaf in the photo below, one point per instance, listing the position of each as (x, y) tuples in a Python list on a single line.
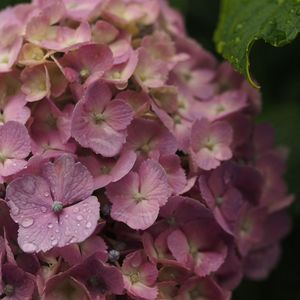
[(242, 22)]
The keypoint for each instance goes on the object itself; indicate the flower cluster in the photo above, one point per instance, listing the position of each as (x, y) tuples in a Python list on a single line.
[(130, 163)]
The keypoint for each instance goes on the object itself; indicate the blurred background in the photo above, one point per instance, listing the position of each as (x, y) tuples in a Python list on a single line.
[(278, 72)]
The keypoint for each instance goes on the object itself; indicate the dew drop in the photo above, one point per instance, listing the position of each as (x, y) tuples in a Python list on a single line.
[(54, 242), (88, 225), (50, 225), (75, 209), (43, 209), (79, 218), (15, 211), (56, 230), (27, 222), (29, 247), (46, 194)]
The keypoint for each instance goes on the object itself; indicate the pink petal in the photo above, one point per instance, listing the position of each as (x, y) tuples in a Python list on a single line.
[(119, 115), (14, 140), (69, 181), (154, 182), (178, 245)]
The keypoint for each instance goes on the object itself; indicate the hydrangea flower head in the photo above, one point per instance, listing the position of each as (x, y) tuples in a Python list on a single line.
[(130, 162)]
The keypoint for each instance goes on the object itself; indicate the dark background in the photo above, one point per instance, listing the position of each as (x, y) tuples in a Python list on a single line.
[(278, 72)]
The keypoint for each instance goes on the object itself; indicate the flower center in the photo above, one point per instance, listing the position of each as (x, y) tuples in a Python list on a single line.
[(145, 148), (209, 144), (98, 284), (57, 206), (138, 197), (84, 73), (2, 119), (219, 201), (9, 290), (220, 108), (177, 119), (134, 277), (2, 157), (105, 170), (98, 118)]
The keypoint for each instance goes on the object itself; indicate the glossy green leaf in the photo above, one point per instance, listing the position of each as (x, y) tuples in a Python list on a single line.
[(242, 22)]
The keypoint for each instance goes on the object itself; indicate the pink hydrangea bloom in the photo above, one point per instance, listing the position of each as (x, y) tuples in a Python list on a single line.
[(223, 105), (99, 278), (139, 276), (15, 283), (14, 148), (99, 123), (87, 64), (198, 246), (210, 143), (54, 209), (137, 197)]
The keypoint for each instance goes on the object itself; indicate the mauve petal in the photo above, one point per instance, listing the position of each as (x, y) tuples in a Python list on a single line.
[(124, 164), (21, 281), (142, 291), (79, 221), (14, 140), (175, 173), (105, 140), (15, 110), (124, 189), (28, 197), (47, 230), (119, 115), (178, 245), (12, 166), (205, 159), (208, 262), (154, 182), (222, 132), (69, 181)]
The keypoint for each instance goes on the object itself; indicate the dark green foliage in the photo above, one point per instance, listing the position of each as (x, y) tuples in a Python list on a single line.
[(242, 22)]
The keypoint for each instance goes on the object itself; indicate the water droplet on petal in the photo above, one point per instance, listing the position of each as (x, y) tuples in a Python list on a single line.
[(29, 247), (54, 242), (56, 230), (73, 240), (75, 209), (43, 209), (27, 222), (79, 217), (46, 194), (88, 225), (15, 211), (50, 225)]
